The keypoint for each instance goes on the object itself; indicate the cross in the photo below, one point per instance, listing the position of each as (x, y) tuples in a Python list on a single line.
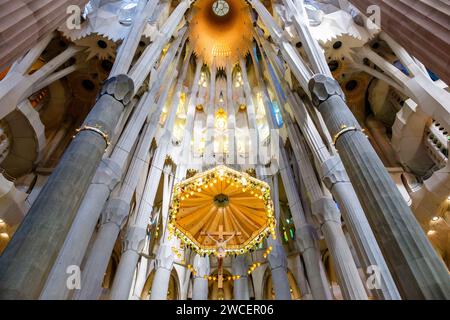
[(221, 244), (221, 233)]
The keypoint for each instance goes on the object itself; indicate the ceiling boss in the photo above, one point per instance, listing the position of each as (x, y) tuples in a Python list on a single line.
[(221, 31)]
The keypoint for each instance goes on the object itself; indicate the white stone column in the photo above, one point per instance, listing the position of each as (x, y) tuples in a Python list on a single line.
[(202, 268), (132, 247), (306, 234), (163, 266), (239, 266), (137, 229), (251, 116), (231, 110), (164, 257), (278, 267), (208, 156), (115, 213), (106, 178), (190, 115), (329, 217), (335, 178)]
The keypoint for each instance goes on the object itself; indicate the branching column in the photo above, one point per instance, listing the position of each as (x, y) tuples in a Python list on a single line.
[(306, 234), (413, 261), (107, 176), (337, 181)]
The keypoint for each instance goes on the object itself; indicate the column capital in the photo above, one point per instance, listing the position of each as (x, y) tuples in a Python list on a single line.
[(239, 266), (134, 239), (333, 172), (108, 173), (120, 87), (201, 266), (164, 257), (277, 257), (322, 87), (307, 237), (115, 212), (325, 209)]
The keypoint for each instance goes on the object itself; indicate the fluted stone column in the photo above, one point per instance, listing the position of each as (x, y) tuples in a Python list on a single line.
[(141, 274), (114, 216), (190, 115), (278, 267), (277, 259), (208, 156), (306, 235), (106, 178), (335, 178), (239, 265), (164, 257), (413, 261), (329, 218), (202, 268), (163, 265), (94, 270), (232, 154), (251, 115), (132, 246), (29, 256), (126, 269)]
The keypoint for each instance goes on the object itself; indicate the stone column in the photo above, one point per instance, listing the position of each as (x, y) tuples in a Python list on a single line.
[(132, 247), (414, 263), (163, 266), (29, 256), (277, 259), (138, 228), (141, 275), (97, 262), (306, 234), (144, 11), (114, 216), (239, 265), (105, 179), (329, 217), (232, 159), (190, 115), (164, 257), (336, 179), (251, 115), (278, 267), (202, 268), (142, 67), (208, 156)]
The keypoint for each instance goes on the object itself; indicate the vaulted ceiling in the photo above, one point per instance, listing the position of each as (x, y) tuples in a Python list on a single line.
[(218, 38)]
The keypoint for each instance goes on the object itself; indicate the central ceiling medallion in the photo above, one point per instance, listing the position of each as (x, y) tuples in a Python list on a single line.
[(221, 31), (221, 8)]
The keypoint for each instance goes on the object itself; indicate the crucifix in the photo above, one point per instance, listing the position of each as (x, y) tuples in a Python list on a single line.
[(221, 244)]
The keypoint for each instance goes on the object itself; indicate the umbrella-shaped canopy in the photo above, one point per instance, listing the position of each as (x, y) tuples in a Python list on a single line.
[(222, 203)]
